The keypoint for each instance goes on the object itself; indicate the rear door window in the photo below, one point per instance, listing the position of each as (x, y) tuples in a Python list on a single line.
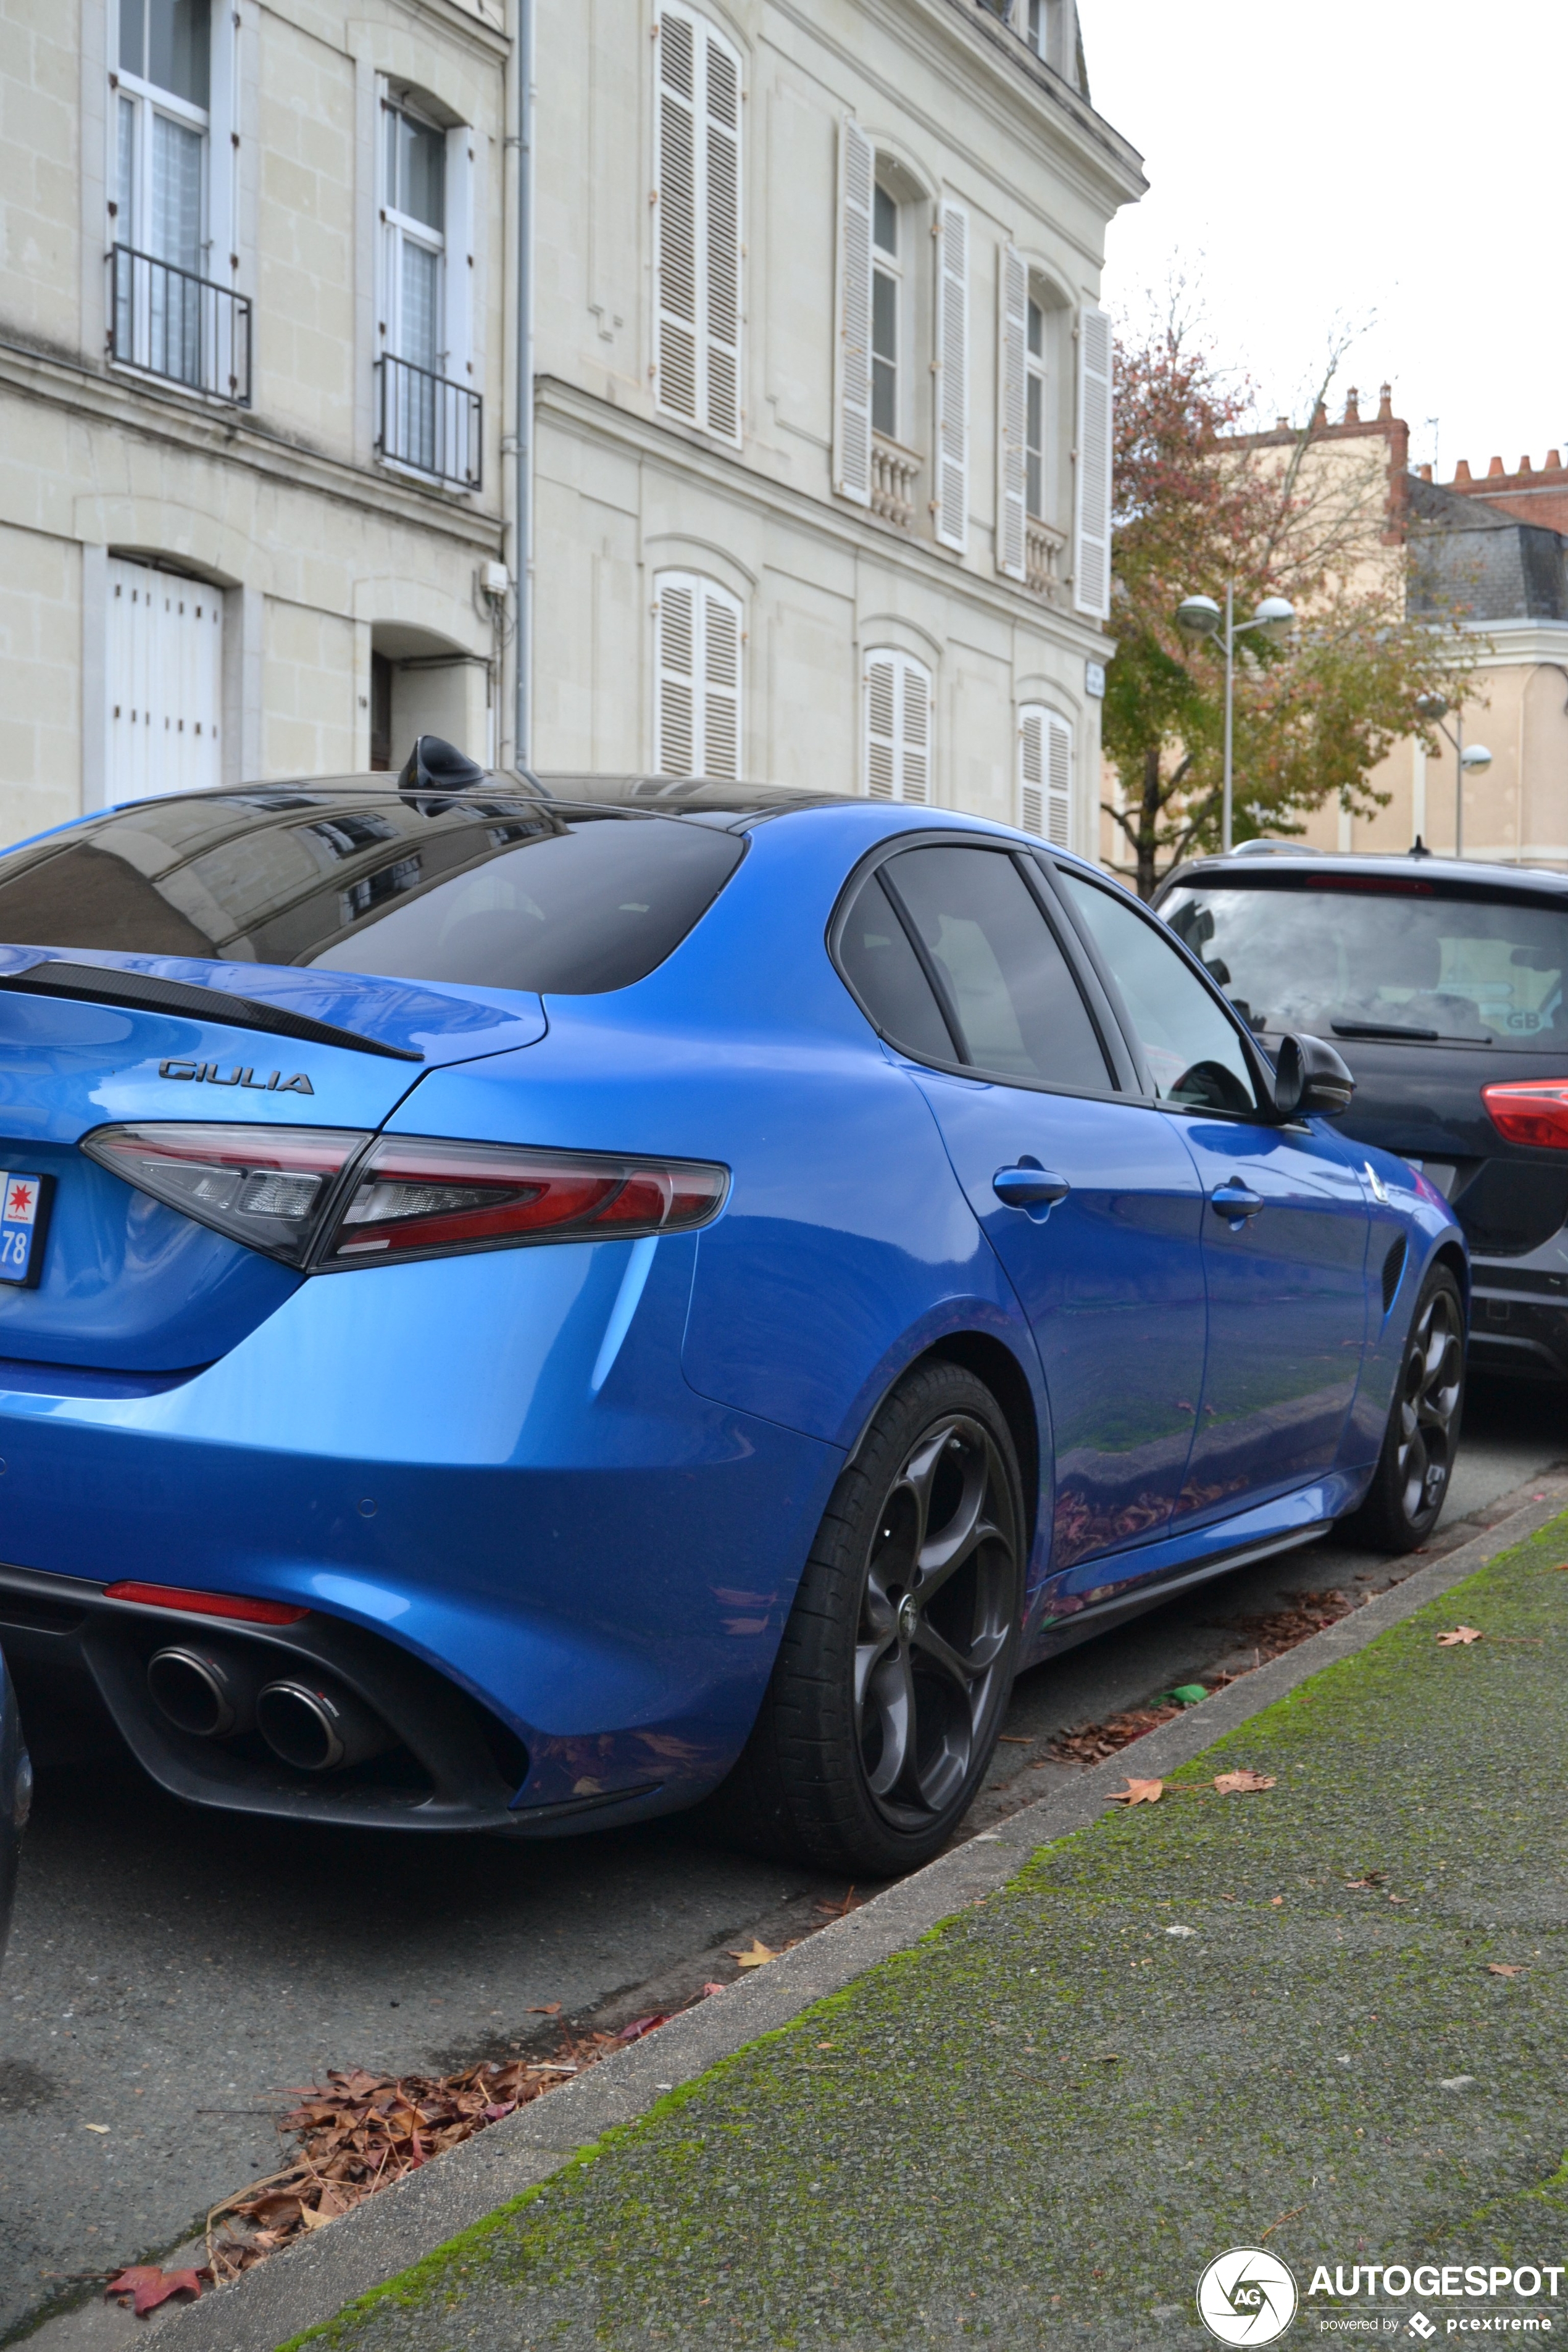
[(1402, 960), (1193, 1053), (1008, 991)]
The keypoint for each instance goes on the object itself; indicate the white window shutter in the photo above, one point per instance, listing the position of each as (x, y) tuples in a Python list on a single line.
[(676, 218), (697, 677), (164, 676), (721, 240), (1091, 557), (696, 163), (1044, 775), (951, 434), (852, 452), (897, 728), (457, 299), (1012, 422)]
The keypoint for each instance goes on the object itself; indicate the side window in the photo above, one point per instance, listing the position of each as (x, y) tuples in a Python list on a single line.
[(1194, 1057), (1009, 993), (885, 974)]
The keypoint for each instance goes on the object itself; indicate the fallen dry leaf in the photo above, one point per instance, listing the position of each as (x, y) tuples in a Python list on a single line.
[(1092, 1743), (544, 2009), (1281, 1629), (838, 1910), (1138, 1792), (148, 2286), (1239, 1784), (95, 2127), (1505, 1967), (1373, 1878), (1276, 1900), (1460, 1638), (758, 1957)]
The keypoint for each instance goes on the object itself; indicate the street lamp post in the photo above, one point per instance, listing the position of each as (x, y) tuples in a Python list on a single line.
[(1200, 616), (1472, 762)]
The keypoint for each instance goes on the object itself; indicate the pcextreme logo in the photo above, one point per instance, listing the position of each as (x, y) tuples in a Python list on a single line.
[(1247, 2297)]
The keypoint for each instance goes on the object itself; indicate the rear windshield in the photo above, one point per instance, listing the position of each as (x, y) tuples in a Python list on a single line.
[(1405, 961), (498, 894)]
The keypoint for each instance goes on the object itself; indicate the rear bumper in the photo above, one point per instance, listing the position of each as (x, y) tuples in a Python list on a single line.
[(555, 1571), (1517, 1329)]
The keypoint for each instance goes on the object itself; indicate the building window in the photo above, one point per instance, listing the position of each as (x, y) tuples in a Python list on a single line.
[(430, 412), (163, 671), (887, 302), (168, 314), (697, 677), (1044, 775), (696, 224), (1034, 412), (898, 721)]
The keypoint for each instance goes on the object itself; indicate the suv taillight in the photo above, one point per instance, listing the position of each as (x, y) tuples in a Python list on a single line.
[(326, 1197), (1530, 1111)]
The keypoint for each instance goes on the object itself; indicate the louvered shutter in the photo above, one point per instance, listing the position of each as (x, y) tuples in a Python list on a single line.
[(462, 456), (897, 728), (1044, 775), (856, 176), (1091, 558), (951, 379), (697, 677), (1012, 422), (696, 359), (163, 672)]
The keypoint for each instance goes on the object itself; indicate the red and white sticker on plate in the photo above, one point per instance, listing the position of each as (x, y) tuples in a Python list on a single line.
[(23, 1215)]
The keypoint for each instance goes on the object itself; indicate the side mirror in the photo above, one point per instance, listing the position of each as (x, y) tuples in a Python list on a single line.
[(1309, 1077)]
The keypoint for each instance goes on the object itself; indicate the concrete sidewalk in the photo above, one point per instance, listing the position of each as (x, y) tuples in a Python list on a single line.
[(1267, 2020)]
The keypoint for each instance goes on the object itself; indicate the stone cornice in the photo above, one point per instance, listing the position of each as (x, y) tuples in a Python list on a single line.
[(228, 436), (847, 527)]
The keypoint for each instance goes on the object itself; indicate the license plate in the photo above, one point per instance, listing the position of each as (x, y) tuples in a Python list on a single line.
[(24, 1221)]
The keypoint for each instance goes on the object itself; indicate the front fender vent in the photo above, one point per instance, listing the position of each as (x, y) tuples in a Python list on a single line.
[(1392, 1267)]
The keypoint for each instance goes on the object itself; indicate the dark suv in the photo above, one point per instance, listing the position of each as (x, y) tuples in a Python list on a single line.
[(1442, 985)]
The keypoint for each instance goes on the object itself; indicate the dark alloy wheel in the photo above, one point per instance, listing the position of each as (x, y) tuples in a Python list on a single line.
[(1410, 1487), (895, 1666)]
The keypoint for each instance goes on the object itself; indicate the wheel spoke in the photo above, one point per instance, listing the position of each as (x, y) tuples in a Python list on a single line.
[(890, 1693), (963, 1671)]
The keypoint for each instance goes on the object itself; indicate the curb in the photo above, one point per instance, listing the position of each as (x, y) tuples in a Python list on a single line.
[(314, 2279)]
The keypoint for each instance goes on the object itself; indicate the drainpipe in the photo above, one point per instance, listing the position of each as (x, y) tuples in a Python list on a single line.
[(521, 452)]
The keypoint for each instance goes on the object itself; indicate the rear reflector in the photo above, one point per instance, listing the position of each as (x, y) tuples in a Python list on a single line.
[(268, 1186), (206, 1604), (1533, 1112), (421, 1196)]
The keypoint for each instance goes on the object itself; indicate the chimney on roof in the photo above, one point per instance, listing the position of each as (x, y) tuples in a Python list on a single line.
[(1524, 466), (1385, 403), (1553, 461), (1282, 424), (1426, 473), (1462, 470), (1495, 468), (1319, 416), (1352, 406)]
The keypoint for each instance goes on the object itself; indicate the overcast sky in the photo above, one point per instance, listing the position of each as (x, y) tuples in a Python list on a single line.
[(1396, 166)]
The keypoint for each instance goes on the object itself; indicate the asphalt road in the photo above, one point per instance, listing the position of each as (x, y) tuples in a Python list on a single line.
[(170, 1971)]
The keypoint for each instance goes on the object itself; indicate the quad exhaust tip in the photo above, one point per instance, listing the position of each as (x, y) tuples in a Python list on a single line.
[(213, 1693)]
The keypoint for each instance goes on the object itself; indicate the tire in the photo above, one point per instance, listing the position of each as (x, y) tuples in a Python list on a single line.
[(1410, 1485), (882, 1712)]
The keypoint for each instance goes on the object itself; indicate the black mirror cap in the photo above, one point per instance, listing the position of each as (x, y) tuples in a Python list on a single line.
[(1310, 1078), (434, 768)]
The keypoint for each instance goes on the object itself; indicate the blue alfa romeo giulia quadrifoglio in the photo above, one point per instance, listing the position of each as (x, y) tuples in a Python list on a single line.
[(521, 1310)]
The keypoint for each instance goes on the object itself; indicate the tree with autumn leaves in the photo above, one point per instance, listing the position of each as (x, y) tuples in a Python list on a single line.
[(1198, 503)]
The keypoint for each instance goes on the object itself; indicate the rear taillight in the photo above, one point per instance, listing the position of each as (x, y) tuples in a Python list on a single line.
[(420, 1196), (324, 1197), (206, 1604), (268, 1186), (1531, 1111)]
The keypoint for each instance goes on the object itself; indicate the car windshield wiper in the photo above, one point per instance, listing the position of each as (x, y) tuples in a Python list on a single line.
[(1401, 1029)]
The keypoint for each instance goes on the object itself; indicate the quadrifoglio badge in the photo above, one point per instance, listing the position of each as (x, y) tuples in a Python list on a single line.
[(1249, 2297)]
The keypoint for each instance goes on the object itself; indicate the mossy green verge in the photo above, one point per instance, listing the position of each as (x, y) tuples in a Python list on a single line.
[(1036, 2125)]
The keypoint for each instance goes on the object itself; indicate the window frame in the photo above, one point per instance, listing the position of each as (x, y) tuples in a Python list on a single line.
[(1257, 1062), (701, 585), (903, 664), (400, 228), (1124, 1078)]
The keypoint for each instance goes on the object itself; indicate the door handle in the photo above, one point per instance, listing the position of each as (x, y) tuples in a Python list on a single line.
[(1030, 1187), (1235, 1203)]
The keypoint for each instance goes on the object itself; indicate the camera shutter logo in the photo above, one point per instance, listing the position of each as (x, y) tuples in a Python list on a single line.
[(1247, 2297)]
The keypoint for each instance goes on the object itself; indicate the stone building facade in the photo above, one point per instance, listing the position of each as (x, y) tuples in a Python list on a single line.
[(814, 482)]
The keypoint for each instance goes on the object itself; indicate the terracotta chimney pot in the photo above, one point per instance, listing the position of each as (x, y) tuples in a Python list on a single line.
[(1319, 414), (1553, 461), (1495, 468), (1282, 424), (1426, 473), (1352, 406), (1524, 464), (1385, 403), (1462, 470)]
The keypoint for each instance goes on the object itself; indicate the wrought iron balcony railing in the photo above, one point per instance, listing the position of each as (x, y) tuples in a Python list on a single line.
[(429, 423), (170, 322)]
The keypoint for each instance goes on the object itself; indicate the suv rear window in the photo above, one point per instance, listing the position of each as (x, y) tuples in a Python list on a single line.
[(1402, 960), (497, 893)]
